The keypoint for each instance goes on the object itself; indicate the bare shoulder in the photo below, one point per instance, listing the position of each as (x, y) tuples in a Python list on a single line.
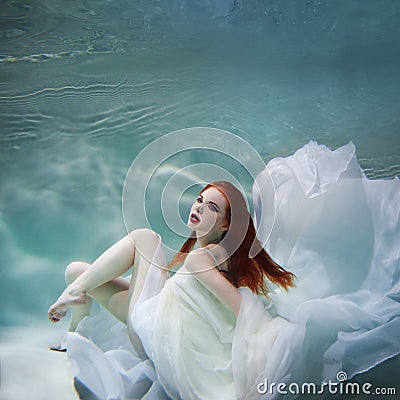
[(200, 259), (218, 252)]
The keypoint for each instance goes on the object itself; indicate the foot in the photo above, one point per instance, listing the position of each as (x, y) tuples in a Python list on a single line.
[(58, 347), (68, 298), (62, 346)]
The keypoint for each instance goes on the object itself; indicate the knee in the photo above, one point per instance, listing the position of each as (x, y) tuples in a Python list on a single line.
[(144, 235), (74, 269)]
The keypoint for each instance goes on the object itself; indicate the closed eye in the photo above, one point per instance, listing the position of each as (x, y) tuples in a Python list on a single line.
[(213, 207)]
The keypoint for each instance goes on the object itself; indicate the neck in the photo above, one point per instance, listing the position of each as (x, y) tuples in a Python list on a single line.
[(206, 239)]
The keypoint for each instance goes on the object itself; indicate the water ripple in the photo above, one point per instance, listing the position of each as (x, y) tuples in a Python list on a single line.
[(105, 110), (382, 167), (62, 91)]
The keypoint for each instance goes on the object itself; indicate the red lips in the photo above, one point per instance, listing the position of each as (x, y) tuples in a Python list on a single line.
[(194, 218)]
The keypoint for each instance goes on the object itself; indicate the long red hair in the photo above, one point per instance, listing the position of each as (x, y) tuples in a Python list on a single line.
[(237, 241)]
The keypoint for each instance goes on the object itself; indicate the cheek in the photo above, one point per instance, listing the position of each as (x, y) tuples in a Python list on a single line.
[(220, 217), (215, 219), (210, 218)]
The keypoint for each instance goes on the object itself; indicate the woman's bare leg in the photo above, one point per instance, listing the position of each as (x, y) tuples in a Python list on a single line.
[(101, 280), (112, 295), (146, 243), (113, 263)]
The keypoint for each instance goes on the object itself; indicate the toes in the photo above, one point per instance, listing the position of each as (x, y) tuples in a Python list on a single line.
[(52, 317), (55, 315)]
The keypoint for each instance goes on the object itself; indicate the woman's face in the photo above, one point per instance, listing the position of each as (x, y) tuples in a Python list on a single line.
[(208, 212)]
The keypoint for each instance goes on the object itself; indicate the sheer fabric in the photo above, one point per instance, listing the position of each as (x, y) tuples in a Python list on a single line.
[(335, 229)]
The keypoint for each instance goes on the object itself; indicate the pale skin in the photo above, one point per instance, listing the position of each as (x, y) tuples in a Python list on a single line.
[(102, 279)]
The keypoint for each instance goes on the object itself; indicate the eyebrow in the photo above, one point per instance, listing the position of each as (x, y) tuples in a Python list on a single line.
[(209, 201)]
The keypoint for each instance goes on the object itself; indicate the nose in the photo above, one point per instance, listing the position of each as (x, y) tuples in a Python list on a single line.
[(199, 207)]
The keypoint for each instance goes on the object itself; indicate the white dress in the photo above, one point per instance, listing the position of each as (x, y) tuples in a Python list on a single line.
[(336, 230)]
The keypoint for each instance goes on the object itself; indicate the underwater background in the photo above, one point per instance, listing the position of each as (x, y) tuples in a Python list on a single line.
[(86, 85)]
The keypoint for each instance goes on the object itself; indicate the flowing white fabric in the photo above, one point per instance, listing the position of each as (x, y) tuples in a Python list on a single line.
[(335, 229), (339, 232)]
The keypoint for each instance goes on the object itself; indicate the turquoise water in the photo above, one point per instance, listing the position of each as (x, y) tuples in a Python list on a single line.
[(86, 85)]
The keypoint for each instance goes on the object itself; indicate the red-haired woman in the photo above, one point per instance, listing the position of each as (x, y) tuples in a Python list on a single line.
[(204, 329)]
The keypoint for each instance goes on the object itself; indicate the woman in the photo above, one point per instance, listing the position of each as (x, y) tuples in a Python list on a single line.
[(337, 229), (204, 329)]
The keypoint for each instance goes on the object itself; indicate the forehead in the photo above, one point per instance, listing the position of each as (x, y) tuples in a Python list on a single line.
[(213, 194)]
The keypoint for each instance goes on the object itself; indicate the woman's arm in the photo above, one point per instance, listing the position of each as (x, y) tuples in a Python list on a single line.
[(201, 264)]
